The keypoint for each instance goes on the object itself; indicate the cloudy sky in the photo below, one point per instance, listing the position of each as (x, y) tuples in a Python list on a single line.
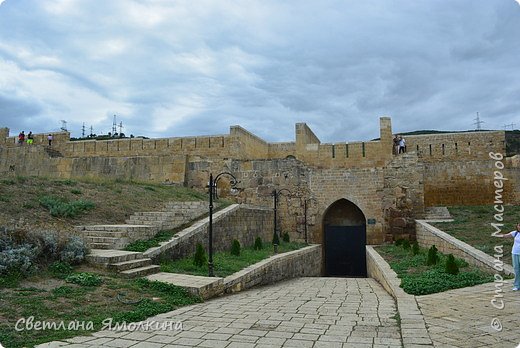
[(195, 67)]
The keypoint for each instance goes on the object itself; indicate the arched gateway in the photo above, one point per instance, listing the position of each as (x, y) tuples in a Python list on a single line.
[(344, 239)]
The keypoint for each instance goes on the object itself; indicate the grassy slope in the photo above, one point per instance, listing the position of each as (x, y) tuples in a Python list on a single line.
[(114, 200), (472, 225)]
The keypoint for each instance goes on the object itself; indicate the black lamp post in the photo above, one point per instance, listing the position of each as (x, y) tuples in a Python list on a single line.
[(275, 194), (305, 205), (213, 193)]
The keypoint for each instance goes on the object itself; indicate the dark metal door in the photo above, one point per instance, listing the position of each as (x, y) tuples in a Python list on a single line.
[(345, 251)]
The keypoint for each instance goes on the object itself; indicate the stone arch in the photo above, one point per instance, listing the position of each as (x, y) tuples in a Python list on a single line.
[(344, 240)]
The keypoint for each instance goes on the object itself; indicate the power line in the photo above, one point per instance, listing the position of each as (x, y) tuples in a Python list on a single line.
[(63, 125), (512, 125), (478, 122)]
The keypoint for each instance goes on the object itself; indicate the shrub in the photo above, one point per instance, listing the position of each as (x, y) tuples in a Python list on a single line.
[(451, 266), (235, 247), (84, 279), (432, 256), (76, 191), (199, 259), (405, 244), (276, 239), (415, 248), (48, 245), (74, 251), (17, 259), (285, 237), (258, 244), (399, 241), (60, 269)]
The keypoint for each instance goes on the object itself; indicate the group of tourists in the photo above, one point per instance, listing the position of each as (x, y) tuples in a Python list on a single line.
[(399, 145), (30, 138)]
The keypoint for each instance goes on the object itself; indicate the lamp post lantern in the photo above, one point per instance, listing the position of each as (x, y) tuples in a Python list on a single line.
[(213, 194)]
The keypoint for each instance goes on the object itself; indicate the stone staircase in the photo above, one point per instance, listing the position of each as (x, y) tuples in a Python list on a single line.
[(141, 225), (128, 264), (114, 236), (437, 213)]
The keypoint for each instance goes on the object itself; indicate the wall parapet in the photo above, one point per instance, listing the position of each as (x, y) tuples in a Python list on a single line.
[(428, 235)]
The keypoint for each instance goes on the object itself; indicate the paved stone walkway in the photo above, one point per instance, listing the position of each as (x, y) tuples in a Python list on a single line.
[(303, 312), (462, 317)]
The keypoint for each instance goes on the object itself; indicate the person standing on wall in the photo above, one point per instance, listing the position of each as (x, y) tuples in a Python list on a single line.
[(515, 254), (21, 138), (402, 145), (30, 138), (395, 149), (50, 138)]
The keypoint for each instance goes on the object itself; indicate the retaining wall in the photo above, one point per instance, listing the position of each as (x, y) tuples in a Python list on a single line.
[(240, 222), (413, 326), (305, 262), (428, 235)]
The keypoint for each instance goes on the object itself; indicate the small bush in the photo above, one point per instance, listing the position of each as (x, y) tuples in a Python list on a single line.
[(76, 192), (235, 247), (48, 245), (451, 266), (432, 256), (406, 244), (17, 259), (60, 269), (415, 248), (199, 259), (258, 244), (285, 237), (398, 242), (74, 251), (84, 279), (276, 239)]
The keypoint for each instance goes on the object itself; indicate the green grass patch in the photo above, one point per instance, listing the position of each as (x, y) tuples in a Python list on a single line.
[(61, 208), (226, 264), (419, 279), (161, 236), (119, 299), (472, 225)]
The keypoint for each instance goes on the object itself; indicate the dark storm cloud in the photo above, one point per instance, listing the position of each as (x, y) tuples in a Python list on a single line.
[(188, 68)]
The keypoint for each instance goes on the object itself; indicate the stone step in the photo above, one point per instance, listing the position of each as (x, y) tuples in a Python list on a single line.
[(112, 228), (141, 271), (95, 245), (109, 240), (117, 234), (132, 264), (151, 221), (111, 256)]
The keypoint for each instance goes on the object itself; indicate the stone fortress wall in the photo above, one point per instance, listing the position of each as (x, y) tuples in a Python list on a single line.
[(438, 169)]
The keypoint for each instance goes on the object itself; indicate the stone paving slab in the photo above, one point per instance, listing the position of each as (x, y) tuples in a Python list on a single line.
[(462, 317), (303, 312)]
